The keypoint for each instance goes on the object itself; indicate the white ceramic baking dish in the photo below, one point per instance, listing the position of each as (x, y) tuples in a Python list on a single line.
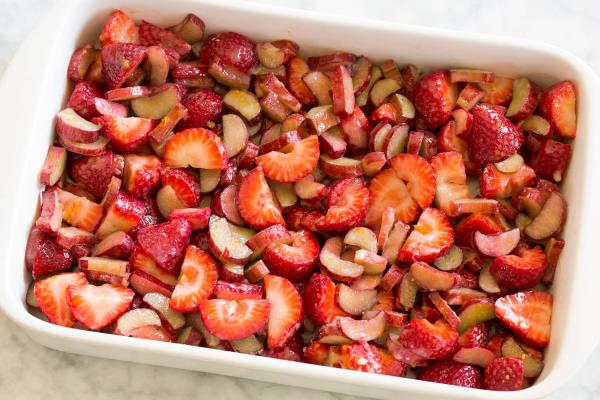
[(34, 89)]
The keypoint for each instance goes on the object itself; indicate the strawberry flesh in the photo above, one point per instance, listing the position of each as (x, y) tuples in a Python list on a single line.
[(165, 243)]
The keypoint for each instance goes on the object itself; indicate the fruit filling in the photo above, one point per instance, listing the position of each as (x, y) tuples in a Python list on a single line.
[(209, 190)]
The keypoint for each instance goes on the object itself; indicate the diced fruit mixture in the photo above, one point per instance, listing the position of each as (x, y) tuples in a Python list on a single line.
[(212, 191)]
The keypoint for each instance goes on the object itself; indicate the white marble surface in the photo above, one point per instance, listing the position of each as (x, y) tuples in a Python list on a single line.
[(30, 371)]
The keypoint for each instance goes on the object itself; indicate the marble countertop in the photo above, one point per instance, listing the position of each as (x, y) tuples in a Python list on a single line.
[(30, 371)]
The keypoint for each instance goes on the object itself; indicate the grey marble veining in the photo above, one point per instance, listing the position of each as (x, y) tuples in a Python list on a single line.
[(30, 371)]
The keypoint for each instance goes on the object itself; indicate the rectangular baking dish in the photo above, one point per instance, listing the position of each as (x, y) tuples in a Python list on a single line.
[(33, 90)]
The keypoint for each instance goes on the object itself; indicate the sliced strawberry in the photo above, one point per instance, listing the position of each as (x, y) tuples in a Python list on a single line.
[(390, 366), (431, 237), (204, 106), (418, 175), (294, 261), (82, 99), (237, 291), (466, 228), (98, 306), (50, 257), (197, 148), (123, 214), (196, 282), (141, 174), (499, 185), (256, 203), (234, 319), (362, 357), (119, 61), (152, 35), (448, 140), (474, 336), (528, 315), (293, 163), (126, 133), (454, 373), (520, 271), (498, 92), (558, 106), (450, 180), (292, 350), (80, 212), (347, 205), (316, 353), (504, 373), (319, 300), (93, 172), (434, 97), (389, 191), (232, 48), (493, 137), (165, 243), (427, 340), (119, 28), (51, 295), (286, 314), (552, 160), (184, 184)]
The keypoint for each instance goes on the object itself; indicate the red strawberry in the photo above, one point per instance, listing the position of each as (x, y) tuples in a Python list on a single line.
[(528, 315), (50, 257), (152, 35), (498, 92), (448, 140), (119, 61), (450, 372), (291, 351), (234, 319), (184, 184), (434, 97), (520, 271), (119, 28), (51, 295), (418, 175), (347, 205), (141, 174), (237, 291), (552, 159), (232, 48), (475, 336), (466, 228), (204, 106), (557, 105), (319, 299), (82, 100), (165, 243), (256, 203), (126, 133), (294, 164), (294, 261), (286, 314), (98, 306), (124, 214), (390, 366), (504, 373), (495, 344), (500, 185), (316, 353), (450, 180), (362, 357), (427, 340), (197, 148), (431, 237), (387, 190), (80, 212), (93, 173), (196, 282), (493, 137)]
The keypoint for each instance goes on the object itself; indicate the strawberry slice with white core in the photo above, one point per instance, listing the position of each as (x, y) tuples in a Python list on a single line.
[(558, 106), (196, 282), (126, 134), (528, 315), (98, 306), (431, 237), (287, 312), (51, 295), (256, 203), (291, 165), (197, 148), (389, 191), (347, 205), (234, 319), (450, 180), (418, 175)]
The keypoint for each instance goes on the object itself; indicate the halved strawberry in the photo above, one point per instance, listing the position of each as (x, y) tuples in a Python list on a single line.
[(294, 261), (152, 35), (141, 174), (431, 237), (124, 214), (528, 315), (98, 306), (557, 105), (203, 106), (451, 372), (316, 352), (119, 28), (520, 271), (50, 257), (197, 148), (450, 180), (434, 97), (119, 60), (196, 282), (418, 175), (234, 319), (80, 212), (82, 99), (93, 172), (390, 366), (448, 140), (183, 183), (165, 243), (552, 159), (319, 300), (293, 163), (498, 92), (51, 295), (505, 373), (256, 203), (475, 336), (362, 357), (237, 291), (466, 228), (232, 48), (292, 350), (389, 191), (499, 185), (126, 133), (427, 340), (347, 205), (286, 314)]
